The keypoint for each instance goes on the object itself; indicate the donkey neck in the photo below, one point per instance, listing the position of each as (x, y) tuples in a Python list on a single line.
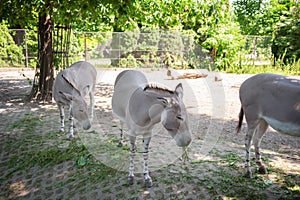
[(145, 109), (157, 90)]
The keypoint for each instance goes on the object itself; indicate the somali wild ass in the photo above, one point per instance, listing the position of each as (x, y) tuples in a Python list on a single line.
[(70, 88), (140, 106), (268, 99)]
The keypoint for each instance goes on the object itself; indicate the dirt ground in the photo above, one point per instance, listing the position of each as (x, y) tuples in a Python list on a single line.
[(29, 141)]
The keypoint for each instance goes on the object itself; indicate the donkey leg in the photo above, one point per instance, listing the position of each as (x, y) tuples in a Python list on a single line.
[(62, 118), (121, 134), (92, 102), (248, 140), (132, 140), (71, 124), (147, 178), (261, 129)]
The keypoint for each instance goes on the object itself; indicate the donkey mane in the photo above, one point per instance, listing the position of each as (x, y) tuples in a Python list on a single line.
[(152, 87)]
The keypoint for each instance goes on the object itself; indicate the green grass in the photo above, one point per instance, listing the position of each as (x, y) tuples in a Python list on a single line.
[(288, 70), (225, 178), (27, 123), (219, 177), (31, 149)]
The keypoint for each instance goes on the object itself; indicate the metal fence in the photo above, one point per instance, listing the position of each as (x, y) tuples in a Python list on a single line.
[(20, 48), (257, 51), (137, 49), (133, 49)]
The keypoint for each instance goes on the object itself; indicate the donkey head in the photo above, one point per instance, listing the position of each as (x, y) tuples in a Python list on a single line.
[(174, 117), (79, 108)]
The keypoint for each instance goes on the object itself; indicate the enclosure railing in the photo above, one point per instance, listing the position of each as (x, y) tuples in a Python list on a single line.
[(130, 49), (20, 48)]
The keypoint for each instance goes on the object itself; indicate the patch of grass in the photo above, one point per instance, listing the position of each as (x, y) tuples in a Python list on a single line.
[(54, 155), (27, 124), (45, 157), (203, 161), (231, 159), (288, 69), (227, 180)]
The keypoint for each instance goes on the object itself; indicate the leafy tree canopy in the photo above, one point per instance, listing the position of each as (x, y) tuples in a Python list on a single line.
[(118, 15), (77, 13), (260, 17), (208, 21)]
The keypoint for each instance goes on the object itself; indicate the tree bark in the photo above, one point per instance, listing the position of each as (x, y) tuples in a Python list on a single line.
[(45, 64)]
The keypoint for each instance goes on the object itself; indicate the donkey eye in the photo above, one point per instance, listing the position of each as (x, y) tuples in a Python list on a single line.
[(179, 117)]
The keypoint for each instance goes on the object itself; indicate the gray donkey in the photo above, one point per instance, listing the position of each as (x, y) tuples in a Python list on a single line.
[(140, 106), (268, 99), (70, 87)]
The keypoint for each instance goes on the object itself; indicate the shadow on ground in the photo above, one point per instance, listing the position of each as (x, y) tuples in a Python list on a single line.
[(39, 163)]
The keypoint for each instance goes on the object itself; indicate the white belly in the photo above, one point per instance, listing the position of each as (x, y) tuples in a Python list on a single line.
[(284, 127)]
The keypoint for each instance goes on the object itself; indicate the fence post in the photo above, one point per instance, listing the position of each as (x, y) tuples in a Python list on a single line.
[(85, 50), (119, 54), (26, 48)]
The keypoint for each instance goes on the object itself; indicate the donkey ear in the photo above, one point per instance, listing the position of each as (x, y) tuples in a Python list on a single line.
[(66, 96), (85, 90), (70, 75), (165, 101), (179, 90)]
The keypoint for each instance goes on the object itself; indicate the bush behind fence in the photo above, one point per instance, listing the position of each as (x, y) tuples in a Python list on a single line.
[(127, 49)]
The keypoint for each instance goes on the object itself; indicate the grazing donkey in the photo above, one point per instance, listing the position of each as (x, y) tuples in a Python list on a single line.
[(70, 87), (268, 99), (140, 106)]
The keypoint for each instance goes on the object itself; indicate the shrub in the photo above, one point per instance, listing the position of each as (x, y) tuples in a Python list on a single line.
[(10, 53)]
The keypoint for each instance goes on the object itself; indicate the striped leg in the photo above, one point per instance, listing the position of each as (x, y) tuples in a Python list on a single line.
[(248, 140), (147, 178), (261, 129), (71, 124), (132, 140), (62, 118), (121, 134)]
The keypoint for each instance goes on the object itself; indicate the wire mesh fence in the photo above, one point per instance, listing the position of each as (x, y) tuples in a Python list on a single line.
[(19, 48), (137, 49), (126, 49), (257, 51)]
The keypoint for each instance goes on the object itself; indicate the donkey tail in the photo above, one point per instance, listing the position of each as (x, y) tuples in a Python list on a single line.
[(241, 117)]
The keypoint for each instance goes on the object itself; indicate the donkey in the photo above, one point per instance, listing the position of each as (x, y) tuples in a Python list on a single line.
[(70, 88), (268, 99), (140, 106)]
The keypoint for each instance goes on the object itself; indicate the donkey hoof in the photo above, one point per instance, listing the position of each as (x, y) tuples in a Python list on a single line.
[(262, 170), (130, 180), (248, 175), (71, 137), (148, 183)]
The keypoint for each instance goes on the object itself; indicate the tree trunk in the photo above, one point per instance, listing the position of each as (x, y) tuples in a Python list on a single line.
[(42, 89)]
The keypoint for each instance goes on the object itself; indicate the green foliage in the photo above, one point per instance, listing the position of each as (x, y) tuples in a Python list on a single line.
[(213, 38), (10, 53), (248, 14), (286, 43), (225, 44), (202, 18), (279, 19), (129, 62), (152, 49), (279, 68), (123, 44), (32, 45), (258, 17)]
